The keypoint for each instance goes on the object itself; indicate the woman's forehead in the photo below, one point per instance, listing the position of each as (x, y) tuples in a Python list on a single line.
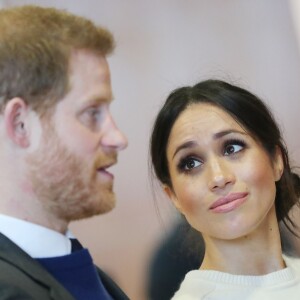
[(203, 117)]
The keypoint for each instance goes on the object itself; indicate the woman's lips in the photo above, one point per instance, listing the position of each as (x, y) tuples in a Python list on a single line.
[(228, 203)]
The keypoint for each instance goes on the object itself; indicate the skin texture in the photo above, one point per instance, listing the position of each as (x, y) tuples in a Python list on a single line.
[(64, 158), (212, 157)]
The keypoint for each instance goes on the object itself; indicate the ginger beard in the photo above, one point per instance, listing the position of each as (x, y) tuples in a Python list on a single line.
[(67, 186)]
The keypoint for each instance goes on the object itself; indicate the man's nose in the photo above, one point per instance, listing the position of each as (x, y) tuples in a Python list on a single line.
[(112, 137)]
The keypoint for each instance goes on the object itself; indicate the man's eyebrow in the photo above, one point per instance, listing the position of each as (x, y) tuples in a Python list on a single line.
[(218, 135), (98, 100)]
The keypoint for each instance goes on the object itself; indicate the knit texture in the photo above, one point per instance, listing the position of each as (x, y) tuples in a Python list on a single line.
[(214, 285)]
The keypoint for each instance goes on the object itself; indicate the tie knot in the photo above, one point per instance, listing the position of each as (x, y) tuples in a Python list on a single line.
[(75, 245)]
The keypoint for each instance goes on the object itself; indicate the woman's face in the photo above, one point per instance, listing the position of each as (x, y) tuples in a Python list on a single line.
[(223, 180)]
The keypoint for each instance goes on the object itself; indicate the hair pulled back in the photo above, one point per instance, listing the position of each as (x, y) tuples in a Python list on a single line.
[(249, 111)]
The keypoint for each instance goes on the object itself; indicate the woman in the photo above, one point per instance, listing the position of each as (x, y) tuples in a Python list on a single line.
[(220, 157)]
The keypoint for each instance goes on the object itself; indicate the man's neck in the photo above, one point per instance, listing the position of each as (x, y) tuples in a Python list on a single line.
[(35, 240), (35, 215)]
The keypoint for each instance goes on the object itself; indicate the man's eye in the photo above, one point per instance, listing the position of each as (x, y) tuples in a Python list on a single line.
[(231, 149), (93, 112), (92, 117)]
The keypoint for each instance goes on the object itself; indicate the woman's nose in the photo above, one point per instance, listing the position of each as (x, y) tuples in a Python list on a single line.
[(220, 174)]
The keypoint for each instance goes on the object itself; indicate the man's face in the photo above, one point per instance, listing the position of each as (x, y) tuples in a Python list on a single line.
[(80, 141)]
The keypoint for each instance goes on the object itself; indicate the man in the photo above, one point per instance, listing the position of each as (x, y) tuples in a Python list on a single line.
[(58, 140)]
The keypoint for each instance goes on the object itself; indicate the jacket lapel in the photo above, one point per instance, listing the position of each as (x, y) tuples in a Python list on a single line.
[(14, 255), (111, 286)]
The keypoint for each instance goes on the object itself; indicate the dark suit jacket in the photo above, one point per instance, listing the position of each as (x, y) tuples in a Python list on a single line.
[(23, 278)]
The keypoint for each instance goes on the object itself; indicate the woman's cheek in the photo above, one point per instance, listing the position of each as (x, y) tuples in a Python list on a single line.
[(259, 174), (188, 200)]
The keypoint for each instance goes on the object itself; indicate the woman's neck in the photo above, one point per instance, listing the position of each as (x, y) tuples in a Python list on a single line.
[(258, 253)]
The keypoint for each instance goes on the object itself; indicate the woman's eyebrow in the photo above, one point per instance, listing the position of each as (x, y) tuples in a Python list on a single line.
[(189, 144), (218, 135), (226, 132)]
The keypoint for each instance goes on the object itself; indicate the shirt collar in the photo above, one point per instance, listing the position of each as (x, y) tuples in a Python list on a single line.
[(35, 240)]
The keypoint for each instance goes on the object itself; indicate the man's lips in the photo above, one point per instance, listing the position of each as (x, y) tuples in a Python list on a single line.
[(103, 169), (229, 202)]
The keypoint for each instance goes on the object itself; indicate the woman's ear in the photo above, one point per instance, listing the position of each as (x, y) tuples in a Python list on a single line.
[(172, 196), (15, 113), (278, 164)]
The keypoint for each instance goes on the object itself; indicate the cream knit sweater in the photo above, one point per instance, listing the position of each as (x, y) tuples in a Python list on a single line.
[(214, 285)]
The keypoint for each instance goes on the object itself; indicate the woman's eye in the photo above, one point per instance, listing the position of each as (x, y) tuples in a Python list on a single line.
[(190, 163), (232, 148)]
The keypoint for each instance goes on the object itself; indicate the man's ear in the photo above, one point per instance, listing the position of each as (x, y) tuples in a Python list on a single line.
[(278, 164), (15, 113), (172, 196)]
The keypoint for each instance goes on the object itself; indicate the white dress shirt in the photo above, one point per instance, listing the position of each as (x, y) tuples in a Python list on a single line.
[(35, 240)]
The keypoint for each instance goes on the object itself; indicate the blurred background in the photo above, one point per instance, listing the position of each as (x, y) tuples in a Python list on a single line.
[(162, 45)]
